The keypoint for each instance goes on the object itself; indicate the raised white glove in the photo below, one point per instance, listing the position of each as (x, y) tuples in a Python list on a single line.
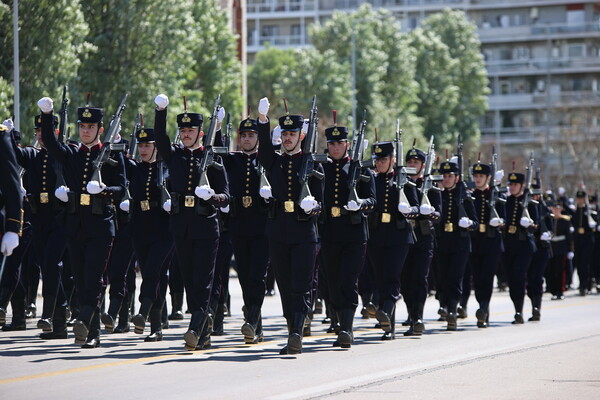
[(204, 192), (353, 205), (62, 193), (263, 106), (593, 224), (525, 222), (496, 222), (404, 208), (161, 101), (570, 255), (464, 222), (561, 191), (95, 187), (426, 209), (167, 205), (10, 241), (499, 175), (308, 204), (46, 104), (546, 236), (8, 123), (305, 126), (265, 192), (124, 205), (276, 138), (225, 209), (220, 114)]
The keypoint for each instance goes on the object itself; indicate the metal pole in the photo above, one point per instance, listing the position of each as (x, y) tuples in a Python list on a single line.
[(353, 56), (17, 99)]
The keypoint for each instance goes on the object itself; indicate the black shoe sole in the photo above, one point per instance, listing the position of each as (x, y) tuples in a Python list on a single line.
[(80, 331), (294, 344), (52, 335), (419, 328), (384, 320), (345, 339), (45, 325), (139, 324), (109, 322), (191, 340)]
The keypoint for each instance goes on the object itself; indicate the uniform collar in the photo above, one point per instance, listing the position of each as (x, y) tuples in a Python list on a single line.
[(342, 160), (85, 149), (194, 152), (295, 155)]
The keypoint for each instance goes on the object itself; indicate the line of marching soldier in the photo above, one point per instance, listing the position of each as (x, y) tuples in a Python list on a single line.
[(183, 209)]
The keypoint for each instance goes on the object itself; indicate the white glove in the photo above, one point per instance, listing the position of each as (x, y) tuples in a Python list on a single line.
[(499, 175), (124, 205), (225, 209), (204, 192), (561, 191), (161, 101), (496, 222), (8, 123), (167, 205), (220, 114), (426, 209), (464, 222), (265, 192), (570, 255), (62, 193), (308, 204), (546, 236), (263, 106), (10, 241), (353, 205), (593, 224), (525, 222), (46, 104), (305, 126), (404, 208), (95, 187), (276, 138)]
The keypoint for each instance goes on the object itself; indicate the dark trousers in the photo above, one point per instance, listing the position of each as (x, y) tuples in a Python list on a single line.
[(175, 279), (223, 264), (153, 254), (387, 262), (517, 258), (342, 265), (584, 249), (197, 258), (535, 276), (453, 258), (13, 271), (555, 274), (483, 266), (294, 264), (252, 258), (414, 281), (49, 243), (120, 263)]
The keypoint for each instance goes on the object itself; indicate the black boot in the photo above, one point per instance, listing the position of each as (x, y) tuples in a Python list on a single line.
[(289, 322), (345, 337), (109, 318), (384, 315), (177, 304), (59, 324), (192, 336), (307, 321), (207, 329), (45, 323), (218, 329), (482, 315), (391, 335), (418, 325), (294, 343), (124, 315), (139, 320), (155, 323), (250, 327), (18, 318), (5, 296), (536, 303)]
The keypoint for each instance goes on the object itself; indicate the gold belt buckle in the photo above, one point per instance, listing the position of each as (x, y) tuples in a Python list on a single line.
[(145, 205), (581, 230), (448, 227), (386, 218), (482, 228), (189, 201), (247, 201), (44, 198), (288, 206), (512, 229), (335, 212), (84, 199)]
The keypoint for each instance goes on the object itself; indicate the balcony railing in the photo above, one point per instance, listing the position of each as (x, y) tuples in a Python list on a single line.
[(257, 42), (520, 101), (539, 134), (536, 32), (273, 6), (542, 65)]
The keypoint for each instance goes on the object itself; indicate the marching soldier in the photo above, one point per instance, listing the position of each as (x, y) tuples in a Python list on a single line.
[(487, 244), (349, 195), (414, 285), (584, 224), (90, 224), (391, 234), (562, 249), (458, 219), (152, 241), (519, 244), (291, 225), (194, 223)]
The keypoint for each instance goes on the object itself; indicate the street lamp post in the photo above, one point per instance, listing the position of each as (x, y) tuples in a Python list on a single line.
[(17, 99)]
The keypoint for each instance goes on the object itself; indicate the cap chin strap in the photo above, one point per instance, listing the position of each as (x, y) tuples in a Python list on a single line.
[(292, 152), (195, 141), (95, 137)]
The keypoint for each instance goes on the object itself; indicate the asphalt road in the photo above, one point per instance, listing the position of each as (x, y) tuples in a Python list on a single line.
[(558, 357)]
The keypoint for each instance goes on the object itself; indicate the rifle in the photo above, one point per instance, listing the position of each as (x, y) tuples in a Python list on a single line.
[(309, 154), (109, 138), (428, 178), (402, 171), (462, 187), (207, 159), (161, 177), (356, 163), (227, 140), (470, 182), (62, 137), (139, 122), (527, 192), (494, 190)]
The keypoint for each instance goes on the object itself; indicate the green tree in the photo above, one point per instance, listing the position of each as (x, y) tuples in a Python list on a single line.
[(51, 48)]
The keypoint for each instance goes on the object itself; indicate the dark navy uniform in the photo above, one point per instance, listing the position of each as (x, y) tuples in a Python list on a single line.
[(344, 235), (194, 223), (584, 243), (519, 246), (454, 243), (90, 223), (152, 240), (246, 223), (391, 234), (291, 232), (562, 245)]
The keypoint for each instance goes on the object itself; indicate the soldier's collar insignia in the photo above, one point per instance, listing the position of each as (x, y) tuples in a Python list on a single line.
[(87, 113), (186, 118)]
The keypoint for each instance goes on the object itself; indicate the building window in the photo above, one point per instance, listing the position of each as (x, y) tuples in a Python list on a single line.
[(576, 50), (520, 53), (269, 30)]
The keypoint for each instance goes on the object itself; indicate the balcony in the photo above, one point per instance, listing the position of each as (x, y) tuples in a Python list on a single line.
[(257, 42), (531, 101), (539, 134), (538, 32), (539, 66), (280, 7)]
